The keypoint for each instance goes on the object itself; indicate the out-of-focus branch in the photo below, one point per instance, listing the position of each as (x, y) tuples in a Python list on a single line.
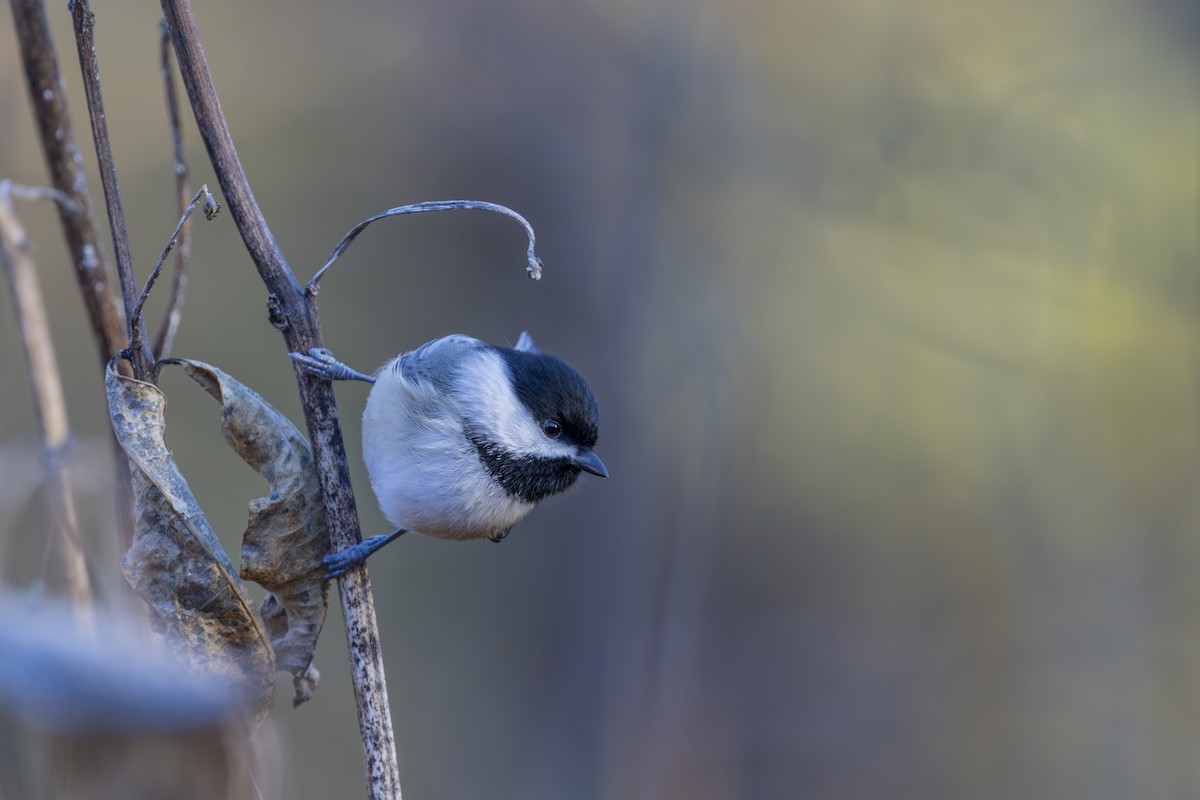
[(50, 408), (64, 162), (57, 135), (295, 314), (85, 24), (174, 310)]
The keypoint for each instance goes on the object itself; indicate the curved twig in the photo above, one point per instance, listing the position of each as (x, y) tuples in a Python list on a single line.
[(135, 319), (533, 264)]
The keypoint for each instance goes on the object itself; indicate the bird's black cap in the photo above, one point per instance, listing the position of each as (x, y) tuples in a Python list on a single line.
[(552, 390)]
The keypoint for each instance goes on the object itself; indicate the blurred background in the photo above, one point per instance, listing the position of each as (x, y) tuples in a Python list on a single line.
[(893, 314)]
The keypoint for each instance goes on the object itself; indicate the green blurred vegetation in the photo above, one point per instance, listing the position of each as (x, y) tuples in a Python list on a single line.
[(892, 312)]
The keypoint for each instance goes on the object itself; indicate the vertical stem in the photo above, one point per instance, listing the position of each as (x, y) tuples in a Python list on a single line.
[(50, 408), (295, 315), (47, 96), (85, 24)]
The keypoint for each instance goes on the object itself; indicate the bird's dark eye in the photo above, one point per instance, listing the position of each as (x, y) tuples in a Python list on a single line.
[(551, 428)]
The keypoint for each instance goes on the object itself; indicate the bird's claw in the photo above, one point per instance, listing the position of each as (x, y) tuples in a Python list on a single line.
[(321, 362), (340, 562)]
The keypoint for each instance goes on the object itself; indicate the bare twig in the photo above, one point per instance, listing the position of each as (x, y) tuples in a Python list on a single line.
[(50, 408), (533, 264), (295, 315), (65, 164), (85, 24), (136, 318), (173, 312)]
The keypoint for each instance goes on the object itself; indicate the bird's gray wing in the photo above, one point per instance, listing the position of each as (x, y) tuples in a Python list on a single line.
[(437, 362)]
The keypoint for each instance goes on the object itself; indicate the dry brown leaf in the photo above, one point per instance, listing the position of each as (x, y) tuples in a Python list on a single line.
[(176, 563), (286, 536)]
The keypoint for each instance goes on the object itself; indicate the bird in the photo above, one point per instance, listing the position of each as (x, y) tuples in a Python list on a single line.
[(462, 439)]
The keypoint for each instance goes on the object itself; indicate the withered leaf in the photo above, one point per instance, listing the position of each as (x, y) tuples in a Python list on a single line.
[(286, 536), (176, 563)]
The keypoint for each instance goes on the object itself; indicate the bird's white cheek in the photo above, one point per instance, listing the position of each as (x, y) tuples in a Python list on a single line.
[(490, 403)]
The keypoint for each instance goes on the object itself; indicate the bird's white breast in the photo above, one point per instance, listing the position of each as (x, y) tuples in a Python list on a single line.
[(426, 475)]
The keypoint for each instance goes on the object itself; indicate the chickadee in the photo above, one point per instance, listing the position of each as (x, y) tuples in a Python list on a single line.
[(462, 439)]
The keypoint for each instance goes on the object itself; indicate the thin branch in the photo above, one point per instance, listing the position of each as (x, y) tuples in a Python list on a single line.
[(293, 313), (174, 310), (85, 24), (47, 96), (50, 408), (136, 318), (533, 264)]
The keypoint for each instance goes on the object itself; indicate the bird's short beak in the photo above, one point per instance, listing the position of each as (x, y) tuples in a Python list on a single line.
[(590, 462)]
